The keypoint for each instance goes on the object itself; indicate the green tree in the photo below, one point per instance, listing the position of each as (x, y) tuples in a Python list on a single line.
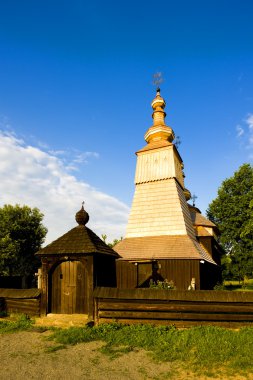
[(21, 235), (115, 241), (232, 212)]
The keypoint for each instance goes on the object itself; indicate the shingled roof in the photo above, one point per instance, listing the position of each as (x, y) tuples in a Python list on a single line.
[(161, 247), (198, 219), (79, 240)]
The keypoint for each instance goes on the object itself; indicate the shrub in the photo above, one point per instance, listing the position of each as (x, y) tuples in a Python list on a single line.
[(168, 285)]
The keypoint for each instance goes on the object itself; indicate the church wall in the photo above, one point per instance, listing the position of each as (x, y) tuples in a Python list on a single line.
[(126, 275), (181, 272), (159, 164), (155, 165)]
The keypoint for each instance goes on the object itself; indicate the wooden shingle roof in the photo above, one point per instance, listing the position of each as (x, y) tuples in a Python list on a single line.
[(79, 240), (161, 247), (155, 145), (198, 219)]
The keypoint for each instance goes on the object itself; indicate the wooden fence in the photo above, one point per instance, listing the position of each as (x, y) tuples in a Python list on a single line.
[(179, 308), (23, 301)]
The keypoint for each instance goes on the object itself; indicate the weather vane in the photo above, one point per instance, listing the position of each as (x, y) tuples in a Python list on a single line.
[(157, 80), (83, 203)]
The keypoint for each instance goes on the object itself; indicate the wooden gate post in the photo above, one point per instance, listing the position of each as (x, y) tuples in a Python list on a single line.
[(44, 287)]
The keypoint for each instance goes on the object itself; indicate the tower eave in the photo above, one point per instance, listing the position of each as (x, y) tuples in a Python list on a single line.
[(159, 132)]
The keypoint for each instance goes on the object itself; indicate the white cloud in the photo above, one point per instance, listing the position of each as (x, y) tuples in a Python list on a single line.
[(240, 130), (245, 133), (82, 157), (29, 175), (249, 122)]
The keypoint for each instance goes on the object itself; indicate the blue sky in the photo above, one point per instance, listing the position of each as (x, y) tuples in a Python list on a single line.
[(75, 94)]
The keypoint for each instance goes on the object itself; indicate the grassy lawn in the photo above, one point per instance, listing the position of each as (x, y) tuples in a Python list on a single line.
[(206, 350), (239, 286)]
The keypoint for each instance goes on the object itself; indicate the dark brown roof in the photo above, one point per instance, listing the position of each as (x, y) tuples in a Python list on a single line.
[(79, 240), (161, 247)]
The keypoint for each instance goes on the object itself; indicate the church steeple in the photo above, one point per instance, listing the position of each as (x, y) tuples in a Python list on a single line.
[(159, 130)]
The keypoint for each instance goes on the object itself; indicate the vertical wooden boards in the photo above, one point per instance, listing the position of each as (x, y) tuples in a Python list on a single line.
[(69, 288), (181, 272), (81, 288), (144, 272)]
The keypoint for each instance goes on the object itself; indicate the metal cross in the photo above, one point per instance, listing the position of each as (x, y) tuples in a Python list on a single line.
[(194, 197)]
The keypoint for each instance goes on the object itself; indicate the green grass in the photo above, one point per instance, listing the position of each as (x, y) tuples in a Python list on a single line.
[(19, 323), (200, 348)]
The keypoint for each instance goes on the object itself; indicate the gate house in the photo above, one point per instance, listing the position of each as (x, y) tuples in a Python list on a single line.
[(72, 266)]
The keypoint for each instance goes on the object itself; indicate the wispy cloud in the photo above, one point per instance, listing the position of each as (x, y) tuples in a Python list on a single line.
[(244, 132), (249, 121), (239, 130), (39, 178), (83, 157)]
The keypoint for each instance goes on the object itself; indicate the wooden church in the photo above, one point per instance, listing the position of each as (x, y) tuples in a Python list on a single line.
[(166, 238)]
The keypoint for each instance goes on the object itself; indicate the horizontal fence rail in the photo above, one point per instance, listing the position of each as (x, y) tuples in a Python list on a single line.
[(21, 301), (171, 307)]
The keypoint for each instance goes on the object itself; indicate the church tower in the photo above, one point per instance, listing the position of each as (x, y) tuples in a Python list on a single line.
[(160, 232), (159, 205)]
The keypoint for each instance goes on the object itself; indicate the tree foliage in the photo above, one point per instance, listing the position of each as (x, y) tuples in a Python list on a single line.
[(115, 241), (21, 235), (232, 212)]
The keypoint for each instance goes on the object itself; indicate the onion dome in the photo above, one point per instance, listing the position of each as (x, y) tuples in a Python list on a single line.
[(159, 130), (187, 194), (82, 217)]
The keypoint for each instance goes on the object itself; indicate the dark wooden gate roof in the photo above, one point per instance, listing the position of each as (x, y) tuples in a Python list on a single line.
[(79, 240)]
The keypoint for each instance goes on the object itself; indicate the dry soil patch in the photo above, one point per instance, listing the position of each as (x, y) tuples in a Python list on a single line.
[(27, 355)]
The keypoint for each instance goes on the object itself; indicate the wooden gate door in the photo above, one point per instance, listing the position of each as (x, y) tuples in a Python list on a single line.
[(69, 288)]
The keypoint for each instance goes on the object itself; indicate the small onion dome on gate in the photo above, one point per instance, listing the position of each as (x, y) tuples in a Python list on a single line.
[(80, 241), (82, 217)]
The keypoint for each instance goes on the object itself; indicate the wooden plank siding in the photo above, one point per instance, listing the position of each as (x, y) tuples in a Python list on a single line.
[(126, 275), (21, 301), (30, 307), (179, 308), (181, 272)]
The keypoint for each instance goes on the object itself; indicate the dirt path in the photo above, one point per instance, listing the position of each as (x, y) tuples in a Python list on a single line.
[(28, 355)]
